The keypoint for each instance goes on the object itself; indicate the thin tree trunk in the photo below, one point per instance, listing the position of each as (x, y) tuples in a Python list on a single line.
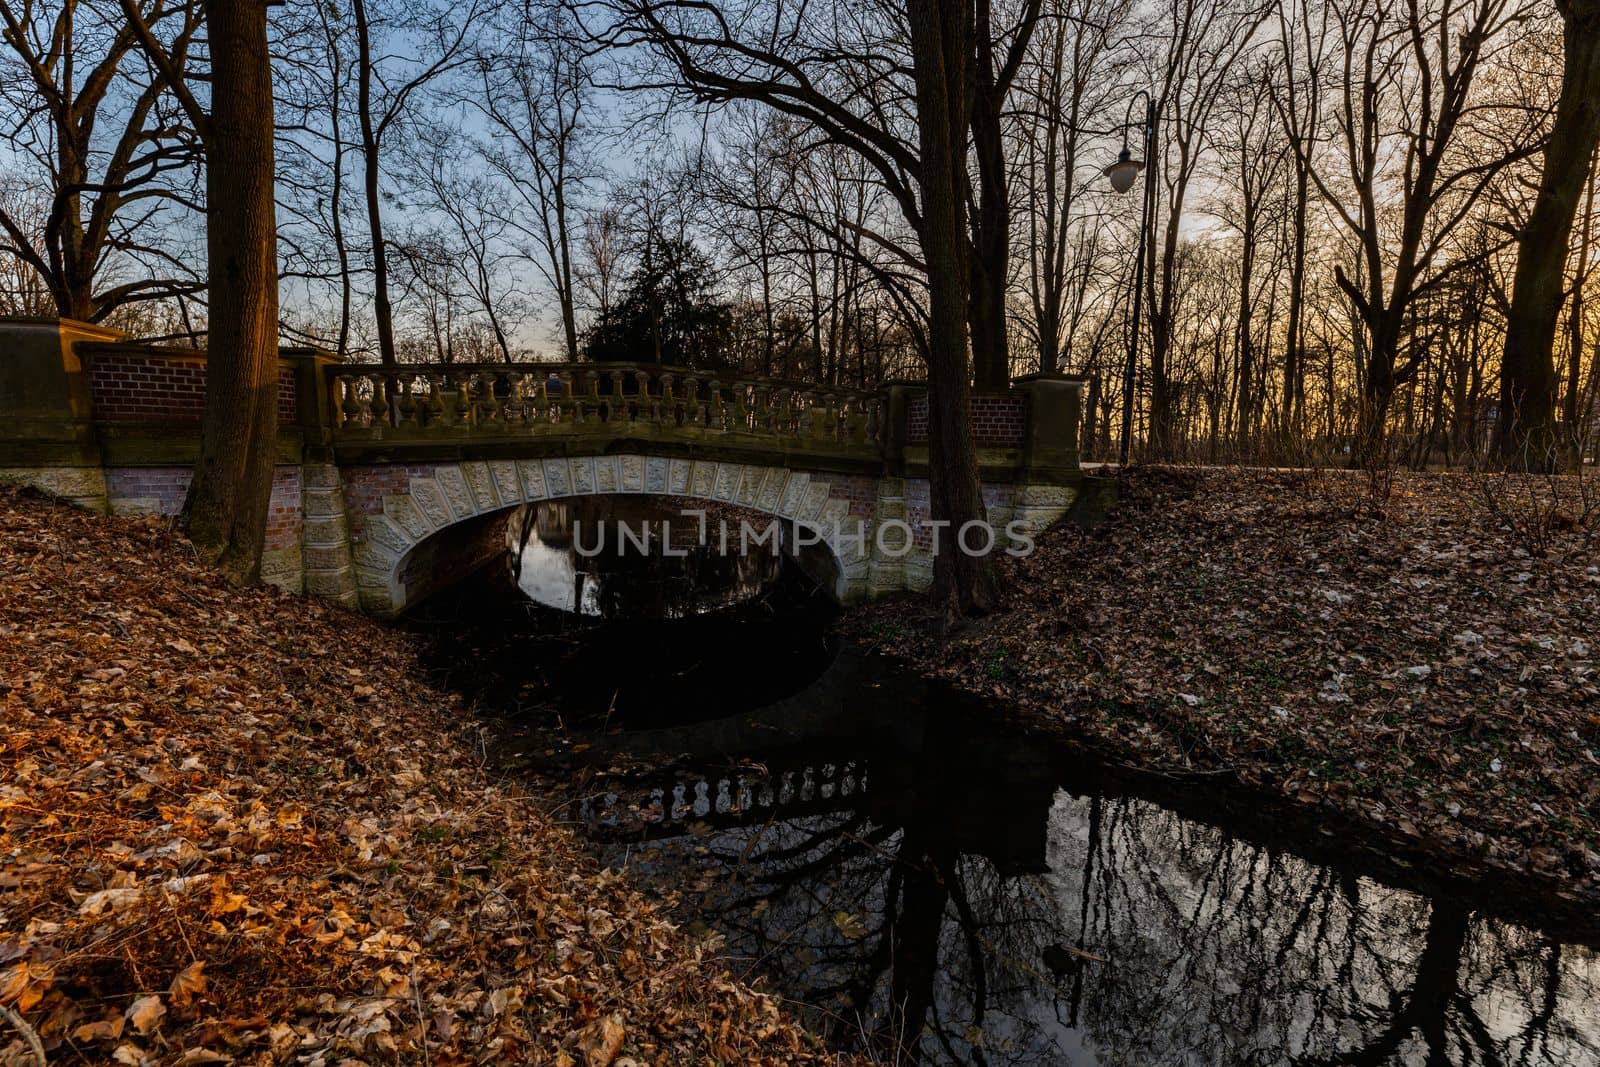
[(336, 194), (1573, 425), (381, 308), (991, 235)]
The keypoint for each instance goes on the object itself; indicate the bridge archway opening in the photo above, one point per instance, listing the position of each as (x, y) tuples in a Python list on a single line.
[(647, 557), (452, 519)]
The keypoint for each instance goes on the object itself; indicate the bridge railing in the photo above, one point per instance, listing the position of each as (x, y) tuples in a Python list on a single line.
[(459, 399)]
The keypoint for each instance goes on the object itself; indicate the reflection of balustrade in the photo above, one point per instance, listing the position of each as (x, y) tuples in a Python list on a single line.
[(729, 800), (609, 398)]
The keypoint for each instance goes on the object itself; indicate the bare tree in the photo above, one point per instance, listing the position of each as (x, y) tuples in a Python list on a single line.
[(429, 43), (1203, 41), (535, 102), (75, 68), (853, 90), (1419, 147), (1526, 433)]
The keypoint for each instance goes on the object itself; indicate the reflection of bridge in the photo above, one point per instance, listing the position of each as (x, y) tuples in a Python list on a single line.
[(845, 744), (393, 483)]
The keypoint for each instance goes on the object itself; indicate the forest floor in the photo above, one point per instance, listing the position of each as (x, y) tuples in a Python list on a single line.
[(1418, 660), (239, 826)]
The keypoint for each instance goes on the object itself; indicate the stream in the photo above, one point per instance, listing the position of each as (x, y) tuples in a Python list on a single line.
[(916, 875)]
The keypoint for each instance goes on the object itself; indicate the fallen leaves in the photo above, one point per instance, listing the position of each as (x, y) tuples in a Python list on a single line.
[(237, 826)]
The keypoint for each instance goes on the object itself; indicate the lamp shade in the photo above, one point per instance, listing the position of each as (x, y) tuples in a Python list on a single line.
[(1123, 172)]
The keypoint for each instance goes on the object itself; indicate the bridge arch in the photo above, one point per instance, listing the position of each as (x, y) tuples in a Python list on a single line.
[(398, 559)]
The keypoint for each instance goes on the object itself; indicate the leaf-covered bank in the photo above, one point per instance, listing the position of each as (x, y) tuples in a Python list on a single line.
[(242, 827), (1410, 667)]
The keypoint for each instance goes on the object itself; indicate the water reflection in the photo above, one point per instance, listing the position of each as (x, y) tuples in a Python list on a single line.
[(914, 878), (603, 556), (744, 630)]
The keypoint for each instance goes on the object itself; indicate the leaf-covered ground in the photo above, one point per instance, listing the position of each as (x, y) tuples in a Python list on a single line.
[(241, 827), (1412, 667)]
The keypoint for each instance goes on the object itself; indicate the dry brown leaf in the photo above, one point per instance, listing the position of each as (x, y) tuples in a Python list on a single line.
[(601, 1040), (187, 984), (146, 1013)]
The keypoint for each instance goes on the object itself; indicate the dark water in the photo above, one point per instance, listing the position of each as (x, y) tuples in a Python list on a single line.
[(916, 877)]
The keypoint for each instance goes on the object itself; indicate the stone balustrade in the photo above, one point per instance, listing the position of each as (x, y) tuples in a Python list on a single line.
[(474, 400)]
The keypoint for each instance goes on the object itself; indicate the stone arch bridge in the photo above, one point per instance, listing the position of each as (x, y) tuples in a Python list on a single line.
[(392, 484)]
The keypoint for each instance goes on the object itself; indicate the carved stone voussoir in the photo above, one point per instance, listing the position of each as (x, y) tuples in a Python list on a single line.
[(429, 498), (453, 483), (481, 483), (504, 473), (557, 478)]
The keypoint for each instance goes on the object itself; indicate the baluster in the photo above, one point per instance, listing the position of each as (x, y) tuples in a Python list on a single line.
[(350, 404), (813, 415), (648, 410), (741, 407), (380, 403), (437, 419), (505, 403), (669, 403), (778, 421), (620, 406), (855, 420), (763, 412), (567, 408), (463, 413), (716, 414), (405, 403), (514, 410), (591, 404), (694, 412), (483, 399), (541, 400)]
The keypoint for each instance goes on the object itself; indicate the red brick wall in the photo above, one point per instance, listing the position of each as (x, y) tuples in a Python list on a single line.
[(997, 419), (162, 490), (139, 386), (365, 488), (285, 516), (861, 491), (164, 487)]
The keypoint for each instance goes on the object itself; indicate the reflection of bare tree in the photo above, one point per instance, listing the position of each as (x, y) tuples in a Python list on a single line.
[(1148, 938)]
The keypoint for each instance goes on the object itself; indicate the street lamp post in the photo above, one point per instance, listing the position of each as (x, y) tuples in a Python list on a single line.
[(1122, 175)]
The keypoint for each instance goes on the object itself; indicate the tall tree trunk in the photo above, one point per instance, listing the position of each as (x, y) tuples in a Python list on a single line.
[(941, 48), (1525, 435), (381, 308), (1570, 411), (991, 230), (991, 233), (564, 284), (228, 498), (1294, 360)]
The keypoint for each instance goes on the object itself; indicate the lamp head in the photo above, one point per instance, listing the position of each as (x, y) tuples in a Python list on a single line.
[(1123, 172)]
